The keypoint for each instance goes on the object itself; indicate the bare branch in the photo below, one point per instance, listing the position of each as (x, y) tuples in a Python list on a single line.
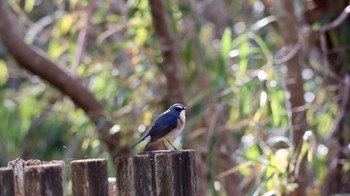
[(338, 21), (82, 35), (286, 53), (335, 130)]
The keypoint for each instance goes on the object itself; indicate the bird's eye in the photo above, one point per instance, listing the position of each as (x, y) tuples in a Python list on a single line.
[(178, 108)]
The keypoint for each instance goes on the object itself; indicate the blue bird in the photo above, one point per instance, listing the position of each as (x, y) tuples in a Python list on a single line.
[(166, 127)]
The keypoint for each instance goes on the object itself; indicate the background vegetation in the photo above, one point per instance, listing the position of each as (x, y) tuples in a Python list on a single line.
[(251, 88)]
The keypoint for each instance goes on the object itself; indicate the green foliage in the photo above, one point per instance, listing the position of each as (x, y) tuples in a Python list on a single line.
[(233, 88)]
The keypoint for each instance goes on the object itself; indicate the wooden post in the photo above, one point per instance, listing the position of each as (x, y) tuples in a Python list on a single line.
[(45, 179), (170, 173), (175, 173), (7, 185), (133, 175), (18, 172), (89, 177)]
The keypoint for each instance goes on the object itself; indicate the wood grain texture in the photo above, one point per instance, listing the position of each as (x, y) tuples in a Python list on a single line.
[(175, 173), (18, 171), (7, 184), (157, 173), (89, 177), (133, 175), (46, 179)]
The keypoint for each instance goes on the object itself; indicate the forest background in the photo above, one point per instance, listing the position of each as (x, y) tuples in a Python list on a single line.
[(266, 84)]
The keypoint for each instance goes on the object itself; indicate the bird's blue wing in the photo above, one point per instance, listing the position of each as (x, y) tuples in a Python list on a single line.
[(140, 140), (162, 126)]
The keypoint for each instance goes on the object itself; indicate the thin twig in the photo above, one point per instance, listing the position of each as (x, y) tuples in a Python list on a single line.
[(335, 130), (291, 52), (82, 36), (233, 169), (338, 21)]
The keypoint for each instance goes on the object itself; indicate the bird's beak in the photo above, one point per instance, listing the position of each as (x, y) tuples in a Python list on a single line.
[(185, 108)]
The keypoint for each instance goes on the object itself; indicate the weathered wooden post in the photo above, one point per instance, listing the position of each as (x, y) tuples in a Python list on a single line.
[(89, 177), (19, 166), (7, 185), (133, 175), (170, 173), (18, 172), (45, 179), (175, 173)]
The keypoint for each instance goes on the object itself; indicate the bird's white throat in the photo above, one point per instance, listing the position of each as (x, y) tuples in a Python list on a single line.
[(183, 116)]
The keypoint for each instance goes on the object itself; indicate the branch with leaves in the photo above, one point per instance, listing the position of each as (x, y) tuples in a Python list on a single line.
[(40, 65)]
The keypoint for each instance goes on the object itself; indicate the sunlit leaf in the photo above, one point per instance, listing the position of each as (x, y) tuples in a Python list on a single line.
[(55, 49), (243, 57), (29, 5), (3, 72), (141, 36), (282, 159), (66, 23), (225, 44), (224, 50)]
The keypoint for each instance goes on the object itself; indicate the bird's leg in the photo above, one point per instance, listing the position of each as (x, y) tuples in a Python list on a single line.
[(164, 145), (172, 145)]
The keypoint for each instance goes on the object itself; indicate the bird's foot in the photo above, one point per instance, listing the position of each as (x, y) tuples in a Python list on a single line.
[(172, 145), (165, 148)]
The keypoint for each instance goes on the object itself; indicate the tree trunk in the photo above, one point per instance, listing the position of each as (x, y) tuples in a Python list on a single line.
[(175, 87), (294, 85)]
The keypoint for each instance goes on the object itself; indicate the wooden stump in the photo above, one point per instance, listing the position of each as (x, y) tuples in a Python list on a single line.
[(45, 179), (7, 185), (89, 177), (169, 173)]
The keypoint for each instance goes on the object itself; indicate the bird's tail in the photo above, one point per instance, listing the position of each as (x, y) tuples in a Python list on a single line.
[(140, 140)]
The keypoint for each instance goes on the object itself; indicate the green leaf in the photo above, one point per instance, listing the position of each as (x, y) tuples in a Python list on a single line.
[(243, 57), (141, 36), (66, 23), (225, 44), (29, 5), (3, 72), (225, 49)]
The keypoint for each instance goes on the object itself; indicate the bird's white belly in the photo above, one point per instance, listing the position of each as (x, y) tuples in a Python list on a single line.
[(173, 134)]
